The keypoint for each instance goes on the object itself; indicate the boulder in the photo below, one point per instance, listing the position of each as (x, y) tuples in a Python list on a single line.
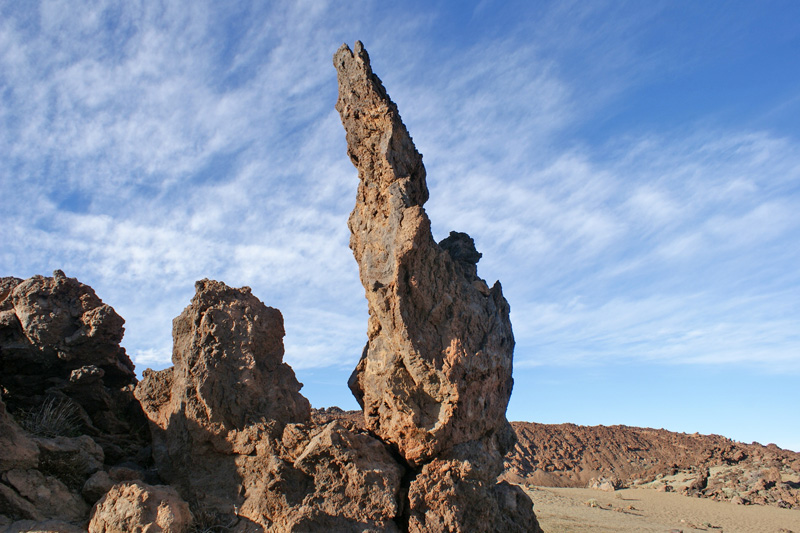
[(59, 323), (19, 451), (62, 368), (233, 434), (604, 484), (137, 507), (49, 495)]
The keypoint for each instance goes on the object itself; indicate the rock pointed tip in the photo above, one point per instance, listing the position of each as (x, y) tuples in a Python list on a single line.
[(361, 52), (344, 49)]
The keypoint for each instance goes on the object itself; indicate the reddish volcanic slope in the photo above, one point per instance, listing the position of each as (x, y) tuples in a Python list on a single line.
[(567, 455), (710, 466)]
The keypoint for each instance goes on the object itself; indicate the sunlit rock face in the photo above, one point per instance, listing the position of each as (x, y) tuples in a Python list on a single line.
[(233, 434), (434, 379), (436, 370)]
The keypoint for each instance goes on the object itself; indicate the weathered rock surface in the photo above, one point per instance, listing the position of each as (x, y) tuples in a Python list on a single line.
[(138, 507), (60, 347), (436, 370), (232, 432), (18, 449), (455, 495), (228, 373), (708, 466), (69, 386), (434, 379), (47, 494)]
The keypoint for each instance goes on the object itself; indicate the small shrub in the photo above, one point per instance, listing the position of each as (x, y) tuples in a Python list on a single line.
[(54, 418), (206, 521)]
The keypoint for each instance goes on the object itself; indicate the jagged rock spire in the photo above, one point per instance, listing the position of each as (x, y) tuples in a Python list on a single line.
[(436, 370)]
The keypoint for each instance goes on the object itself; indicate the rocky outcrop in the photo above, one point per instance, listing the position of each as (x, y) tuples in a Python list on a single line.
[(228, 374), (68, 388), (233, 434), (60, 349), (136, 506), (434, 378)]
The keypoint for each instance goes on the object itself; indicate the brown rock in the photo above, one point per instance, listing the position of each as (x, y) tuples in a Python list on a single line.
[(69, 325), (15, 506), (138, 507), (453, 496), (50, 497), (436, 370), (232, 433), (96, 486), (323, 479), (60, 351), (229, 373), (18, 450)]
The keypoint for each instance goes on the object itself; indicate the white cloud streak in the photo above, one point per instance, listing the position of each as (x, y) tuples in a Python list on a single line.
[(146, 146)]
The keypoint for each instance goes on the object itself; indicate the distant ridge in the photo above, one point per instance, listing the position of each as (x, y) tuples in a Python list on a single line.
[(708, 466)]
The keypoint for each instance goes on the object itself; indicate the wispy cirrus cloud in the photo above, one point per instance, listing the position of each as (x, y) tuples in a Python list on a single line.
[(147, 146)]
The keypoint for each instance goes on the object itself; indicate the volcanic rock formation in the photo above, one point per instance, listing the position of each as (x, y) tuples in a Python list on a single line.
[(69, 386), (233, 434), (59, 341), (434, 378)]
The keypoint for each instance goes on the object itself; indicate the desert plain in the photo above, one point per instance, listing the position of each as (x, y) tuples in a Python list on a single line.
[(566, 510)]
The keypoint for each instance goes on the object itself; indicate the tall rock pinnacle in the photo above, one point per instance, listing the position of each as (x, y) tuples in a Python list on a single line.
[(435, 374)]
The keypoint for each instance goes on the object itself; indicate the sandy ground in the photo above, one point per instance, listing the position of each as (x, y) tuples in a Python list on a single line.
[(628, 510)]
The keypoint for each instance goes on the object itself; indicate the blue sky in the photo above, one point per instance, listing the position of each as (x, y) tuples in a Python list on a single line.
[(629, 170)]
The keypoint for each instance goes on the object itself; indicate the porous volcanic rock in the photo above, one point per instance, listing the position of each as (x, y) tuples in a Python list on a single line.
[(455, 495), (68, 386), (233, 434), (60, 345), (436, 370), (434, 378), (136, 506), (228, 373), (52, 324)]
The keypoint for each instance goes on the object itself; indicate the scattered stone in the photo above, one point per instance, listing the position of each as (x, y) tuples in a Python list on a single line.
[(604, 484), (136, 506)]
